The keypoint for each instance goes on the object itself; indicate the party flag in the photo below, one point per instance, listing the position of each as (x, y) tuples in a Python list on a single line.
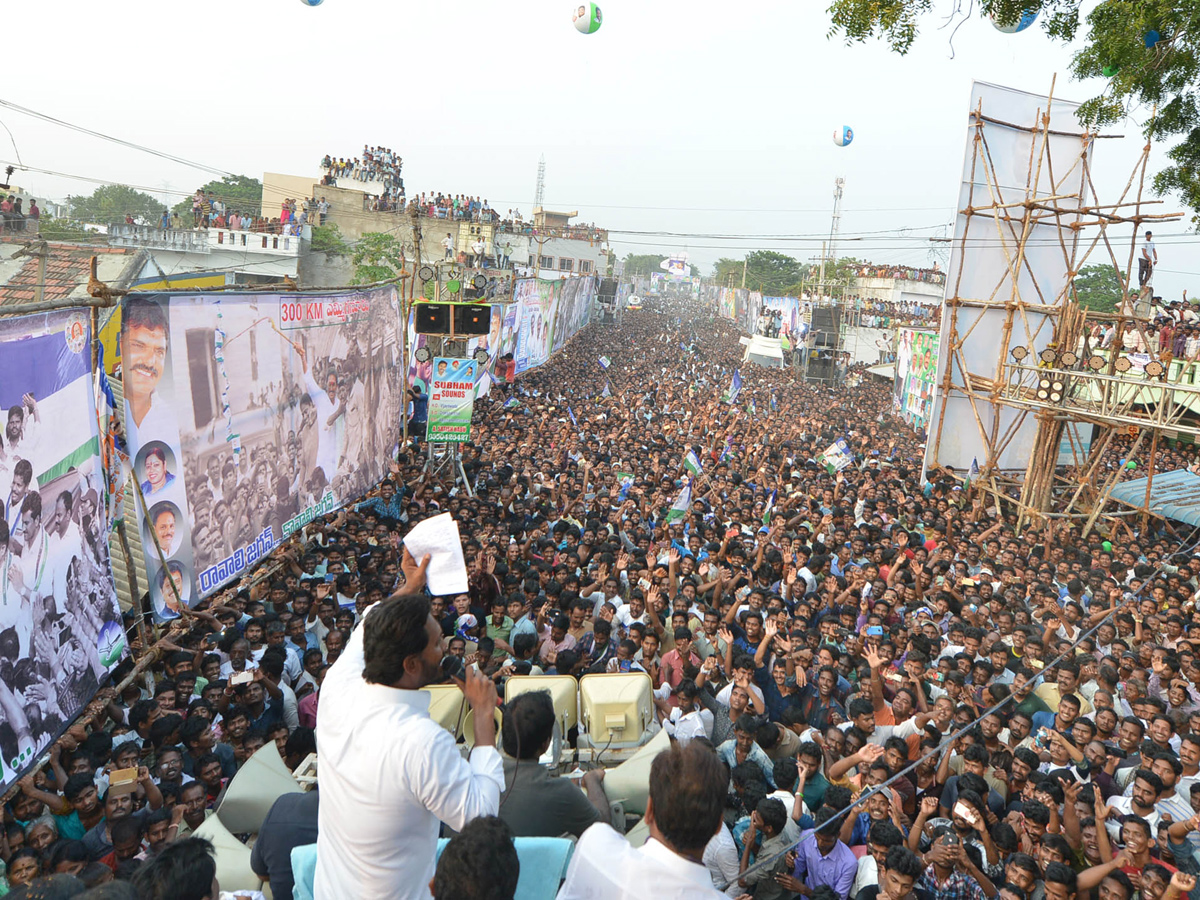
[(679, 508)]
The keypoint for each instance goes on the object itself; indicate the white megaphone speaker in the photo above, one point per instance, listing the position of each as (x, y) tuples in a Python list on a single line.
[(629, 783), (232, 857), (261, 780)]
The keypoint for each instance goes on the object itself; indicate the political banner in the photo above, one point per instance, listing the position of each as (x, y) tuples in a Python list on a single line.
[(451, 400), (836, 456), (916, 375), (248, 416), (60, 626)]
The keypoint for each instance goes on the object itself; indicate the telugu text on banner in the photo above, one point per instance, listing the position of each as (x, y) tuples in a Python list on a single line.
[(248, 416)]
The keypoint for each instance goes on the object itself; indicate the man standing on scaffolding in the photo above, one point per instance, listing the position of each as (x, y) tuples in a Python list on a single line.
[(1147, 261)]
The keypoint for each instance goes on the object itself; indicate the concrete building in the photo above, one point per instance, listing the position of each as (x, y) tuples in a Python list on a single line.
[(557, 248), (246, 257)]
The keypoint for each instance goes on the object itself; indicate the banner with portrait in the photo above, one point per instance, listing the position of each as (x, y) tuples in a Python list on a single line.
[(916, 375), (60, 626), (538, 305), (451, 400), (249, 415)]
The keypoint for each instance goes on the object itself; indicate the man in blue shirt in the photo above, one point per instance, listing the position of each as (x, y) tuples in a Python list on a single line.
[(822, 859)]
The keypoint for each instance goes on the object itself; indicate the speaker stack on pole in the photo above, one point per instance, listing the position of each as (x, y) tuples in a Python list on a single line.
[(825, 344), (453, 319), (606, 296)]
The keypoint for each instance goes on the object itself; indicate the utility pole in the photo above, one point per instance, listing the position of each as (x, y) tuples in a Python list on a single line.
[(745, 262), (821, 277)]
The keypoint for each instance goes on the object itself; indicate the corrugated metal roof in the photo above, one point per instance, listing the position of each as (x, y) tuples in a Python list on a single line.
[(1173, 495)]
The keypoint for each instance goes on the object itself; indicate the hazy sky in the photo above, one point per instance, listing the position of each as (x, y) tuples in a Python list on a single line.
[(699, 119)]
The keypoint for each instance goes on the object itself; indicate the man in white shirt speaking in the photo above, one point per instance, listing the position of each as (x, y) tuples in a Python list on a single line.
[(389, 773)]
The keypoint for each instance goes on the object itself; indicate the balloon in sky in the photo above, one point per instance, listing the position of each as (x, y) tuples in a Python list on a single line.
[(1152, 39), (1020, 24), (312, 2), (1110, 71), (843, 136), (588, 18)]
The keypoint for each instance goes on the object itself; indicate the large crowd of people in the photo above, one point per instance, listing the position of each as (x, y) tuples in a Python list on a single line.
[(907, 273), (377, 164), (871, 312), (873, 686)]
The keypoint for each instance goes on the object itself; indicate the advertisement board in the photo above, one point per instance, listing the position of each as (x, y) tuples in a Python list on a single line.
[(451, 400), (249, 415), (60, 626)]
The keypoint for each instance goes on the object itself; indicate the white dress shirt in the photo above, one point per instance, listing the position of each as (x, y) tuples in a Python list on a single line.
[(685, 726), (723, 861), (606, 867), (389, 774)]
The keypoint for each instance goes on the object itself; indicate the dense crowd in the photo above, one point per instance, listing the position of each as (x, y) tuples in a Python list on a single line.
[(377, 164), (907, 273), (812, 634), (871, 312)]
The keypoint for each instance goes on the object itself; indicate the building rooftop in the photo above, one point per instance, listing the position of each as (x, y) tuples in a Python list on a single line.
[(67, 269)]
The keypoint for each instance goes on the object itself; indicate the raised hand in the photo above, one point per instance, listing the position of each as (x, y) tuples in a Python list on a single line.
[(1182, 882)]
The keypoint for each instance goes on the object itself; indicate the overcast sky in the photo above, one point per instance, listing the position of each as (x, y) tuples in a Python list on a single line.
[(701, 119)]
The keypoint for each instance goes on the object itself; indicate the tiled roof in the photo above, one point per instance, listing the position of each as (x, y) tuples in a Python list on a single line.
[(67, 271)]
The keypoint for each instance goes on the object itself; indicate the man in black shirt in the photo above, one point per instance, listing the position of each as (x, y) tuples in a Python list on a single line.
[(292, 822)]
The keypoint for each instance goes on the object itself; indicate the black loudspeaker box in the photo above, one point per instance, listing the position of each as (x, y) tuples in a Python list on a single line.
[(472, 319), (432, 318)]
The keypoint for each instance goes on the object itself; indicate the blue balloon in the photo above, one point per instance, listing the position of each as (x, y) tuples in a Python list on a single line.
[(1027, 18), (1152, 38), (312, 2), (843, 136)]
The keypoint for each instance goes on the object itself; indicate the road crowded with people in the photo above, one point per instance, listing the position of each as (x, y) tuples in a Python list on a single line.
[(956, 708)]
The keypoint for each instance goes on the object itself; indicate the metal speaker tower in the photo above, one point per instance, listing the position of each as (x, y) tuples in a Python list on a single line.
[(539, 195), (838, 184)]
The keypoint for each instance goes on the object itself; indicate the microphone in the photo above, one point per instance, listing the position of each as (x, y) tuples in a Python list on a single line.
[(453, 668)]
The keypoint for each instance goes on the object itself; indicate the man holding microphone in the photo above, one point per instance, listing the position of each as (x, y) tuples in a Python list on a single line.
[(389, 773)]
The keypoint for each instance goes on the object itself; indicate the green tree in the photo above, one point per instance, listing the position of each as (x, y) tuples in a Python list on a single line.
[(728, 272), (52, 229), (774, 274), (328, 239), (843, 271), (642, 263), (377, 257), (1162, 77), (1098, 288), (240, 193), (112, 202)]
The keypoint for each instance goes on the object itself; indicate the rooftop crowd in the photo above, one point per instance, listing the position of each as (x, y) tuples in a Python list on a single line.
[(875, 313), (377, 164), (811, 636)]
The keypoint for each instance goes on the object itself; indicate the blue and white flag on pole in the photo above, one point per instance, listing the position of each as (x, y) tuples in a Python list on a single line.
[(606, 392), (571, 413), (605, 362), (767, 509), (679, 508), (735, 386), (511, 402), (691, 462)]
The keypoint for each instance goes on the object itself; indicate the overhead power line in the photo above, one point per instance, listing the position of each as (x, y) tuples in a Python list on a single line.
[(24, 110)]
